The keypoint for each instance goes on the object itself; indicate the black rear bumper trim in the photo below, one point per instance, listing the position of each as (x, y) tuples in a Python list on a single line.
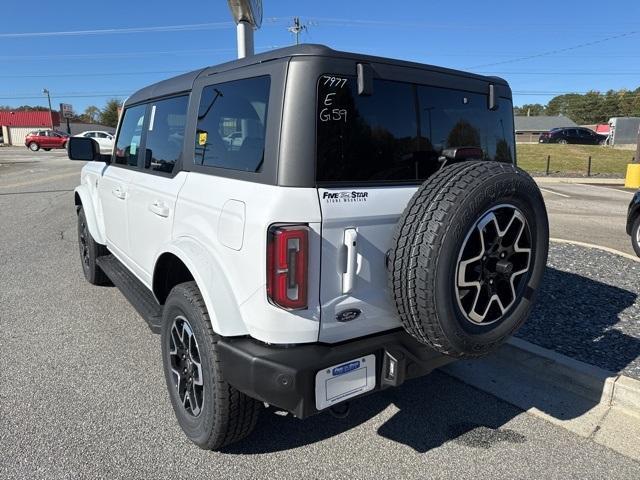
[(285, 376)]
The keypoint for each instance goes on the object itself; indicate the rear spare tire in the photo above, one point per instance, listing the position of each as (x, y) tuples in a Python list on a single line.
[(467, 257)]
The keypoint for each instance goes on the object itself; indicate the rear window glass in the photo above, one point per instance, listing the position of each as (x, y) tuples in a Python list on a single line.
[(398, 133), (231, 127)]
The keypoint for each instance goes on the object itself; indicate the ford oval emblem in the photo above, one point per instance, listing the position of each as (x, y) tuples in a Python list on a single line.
[(348, 315)]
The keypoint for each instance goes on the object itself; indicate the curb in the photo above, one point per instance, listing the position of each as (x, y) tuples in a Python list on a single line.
[(587, 400), (584, 180)]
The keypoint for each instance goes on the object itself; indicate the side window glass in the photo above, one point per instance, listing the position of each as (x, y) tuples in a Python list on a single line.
[(165, 134), (231, 127), (129, 136), (101, 135)]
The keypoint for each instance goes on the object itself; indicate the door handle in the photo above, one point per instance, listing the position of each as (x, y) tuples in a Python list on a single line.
[(351, 244), (118, 192), (160, 208)]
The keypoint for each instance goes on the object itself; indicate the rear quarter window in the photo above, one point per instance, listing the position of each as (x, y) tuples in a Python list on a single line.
[(231, 127)]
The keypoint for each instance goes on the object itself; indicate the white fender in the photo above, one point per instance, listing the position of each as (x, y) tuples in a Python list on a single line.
[(90, 214), (216, 290)]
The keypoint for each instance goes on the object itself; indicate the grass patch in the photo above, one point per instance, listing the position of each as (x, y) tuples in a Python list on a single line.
[(572, 159)]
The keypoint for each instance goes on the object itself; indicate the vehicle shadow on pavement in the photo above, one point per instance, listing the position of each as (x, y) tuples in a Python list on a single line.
[(584, 319), (423, 414), (574, 315)]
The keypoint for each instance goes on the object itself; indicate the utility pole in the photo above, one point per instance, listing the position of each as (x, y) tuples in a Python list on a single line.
[(248, 16), (46, 92), (297, 28)]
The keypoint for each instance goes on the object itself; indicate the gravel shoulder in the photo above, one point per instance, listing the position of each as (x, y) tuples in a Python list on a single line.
[(588, 308)]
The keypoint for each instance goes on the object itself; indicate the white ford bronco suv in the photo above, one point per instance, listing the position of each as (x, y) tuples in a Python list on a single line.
[(306, 226)]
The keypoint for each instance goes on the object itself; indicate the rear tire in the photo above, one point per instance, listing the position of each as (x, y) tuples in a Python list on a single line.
[(34, 147), (635, 235), (212, 413), (90, 250), (467, 257)]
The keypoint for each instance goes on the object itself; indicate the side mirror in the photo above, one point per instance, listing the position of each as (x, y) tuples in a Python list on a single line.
[(86, 149)]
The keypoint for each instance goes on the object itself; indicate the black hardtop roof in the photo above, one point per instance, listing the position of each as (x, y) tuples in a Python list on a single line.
[(184, 82)]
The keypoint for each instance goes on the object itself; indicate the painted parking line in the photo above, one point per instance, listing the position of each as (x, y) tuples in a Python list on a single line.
[(555, 193), (597, 247), (607, 188)]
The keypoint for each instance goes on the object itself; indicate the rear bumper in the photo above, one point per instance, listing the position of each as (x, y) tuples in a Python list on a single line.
[(285, 376)]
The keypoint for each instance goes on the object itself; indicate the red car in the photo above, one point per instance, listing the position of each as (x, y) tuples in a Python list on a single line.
[(45, 139)]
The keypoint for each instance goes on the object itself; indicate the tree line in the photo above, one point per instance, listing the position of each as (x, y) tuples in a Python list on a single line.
[(588, 108), (107, 115)]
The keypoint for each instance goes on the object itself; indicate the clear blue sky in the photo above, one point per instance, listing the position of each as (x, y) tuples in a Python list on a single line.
[(86, 69)]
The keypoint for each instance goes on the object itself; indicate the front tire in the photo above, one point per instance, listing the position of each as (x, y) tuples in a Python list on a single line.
[(34, 147), (635, 235), (212, 413), (90, 250)]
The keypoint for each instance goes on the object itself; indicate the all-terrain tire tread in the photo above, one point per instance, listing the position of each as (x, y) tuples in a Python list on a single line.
[(236, 414), (417, 242)]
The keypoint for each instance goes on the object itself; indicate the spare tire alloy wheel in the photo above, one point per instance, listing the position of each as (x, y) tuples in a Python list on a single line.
[(468, 256), (493, 264), (186, 367)]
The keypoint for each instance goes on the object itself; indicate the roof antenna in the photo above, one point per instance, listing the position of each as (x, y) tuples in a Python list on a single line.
[(248, 17), (298, 28)]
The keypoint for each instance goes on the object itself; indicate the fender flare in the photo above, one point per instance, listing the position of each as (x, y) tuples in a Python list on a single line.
[(81, 192), (216, 291)]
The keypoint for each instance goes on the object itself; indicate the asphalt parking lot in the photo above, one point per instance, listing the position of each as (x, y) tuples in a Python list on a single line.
[(82, 393), (589, 213)]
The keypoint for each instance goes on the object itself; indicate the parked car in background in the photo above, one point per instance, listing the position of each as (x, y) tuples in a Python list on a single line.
[(575, 135), (633, 222), (104, 139), (46, 140), (233, 140)]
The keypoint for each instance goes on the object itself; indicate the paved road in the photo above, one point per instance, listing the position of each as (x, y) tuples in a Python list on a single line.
[(589, 213), (82, 393)]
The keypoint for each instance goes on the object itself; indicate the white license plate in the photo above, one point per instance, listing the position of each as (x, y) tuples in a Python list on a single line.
[(345, 380)]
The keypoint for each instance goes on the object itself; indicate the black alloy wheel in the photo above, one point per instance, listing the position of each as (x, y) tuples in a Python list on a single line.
[(186, 366), (493, 264)]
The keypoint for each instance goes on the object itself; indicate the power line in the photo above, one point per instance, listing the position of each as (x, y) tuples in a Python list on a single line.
[(93, 74), (559, 50), (340, 22), (560, 73), (71, 56), (112, 31), (68, 95)]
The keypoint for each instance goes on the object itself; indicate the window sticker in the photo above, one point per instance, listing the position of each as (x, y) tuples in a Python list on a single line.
[(153, 117), (133, 148), (202, 138)]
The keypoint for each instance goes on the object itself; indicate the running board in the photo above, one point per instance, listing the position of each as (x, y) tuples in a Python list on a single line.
[(134, 290)]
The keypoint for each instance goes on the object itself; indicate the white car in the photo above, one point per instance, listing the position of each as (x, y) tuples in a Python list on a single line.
[(335, 251), (105, 139)]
